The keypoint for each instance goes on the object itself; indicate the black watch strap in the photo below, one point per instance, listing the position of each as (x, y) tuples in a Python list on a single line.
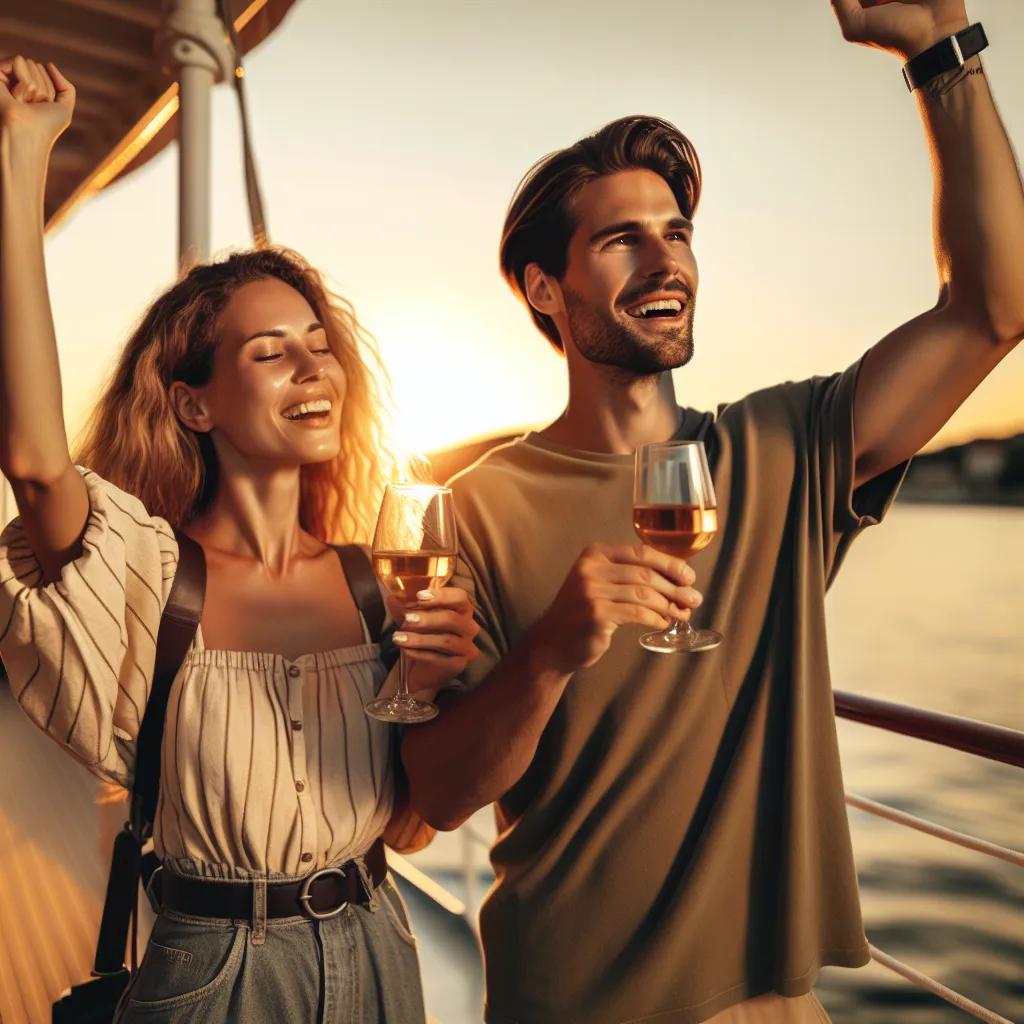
[(947, 55)]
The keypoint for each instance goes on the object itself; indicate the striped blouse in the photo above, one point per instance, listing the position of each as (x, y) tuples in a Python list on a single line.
[(270, 767)]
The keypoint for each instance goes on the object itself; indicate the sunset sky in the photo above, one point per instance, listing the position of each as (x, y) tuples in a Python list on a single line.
[(391, 135)]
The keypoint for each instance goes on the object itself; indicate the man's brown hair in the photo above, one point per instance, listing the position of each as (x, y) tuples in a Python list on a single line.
[(540, 220)]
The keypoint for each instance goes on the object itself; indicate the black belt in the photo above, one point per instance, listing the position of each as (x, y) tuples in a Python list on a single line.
[(322, 894)]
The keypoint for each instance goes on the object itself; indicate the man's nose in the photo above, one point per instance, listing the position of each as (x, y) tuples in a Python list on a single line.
[(658, 259)]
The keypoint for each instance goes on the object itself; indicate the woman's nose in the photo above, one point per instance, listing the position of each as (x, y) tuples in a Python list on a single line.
[(308, 374)]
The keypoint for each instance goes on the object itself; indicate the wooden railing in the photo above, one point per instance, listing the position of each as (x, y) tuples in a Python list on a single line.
[(990, 741)]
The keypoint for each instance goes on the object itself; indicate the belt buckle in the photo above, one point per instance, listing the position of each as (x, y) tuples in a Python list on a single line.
[(305, 897)]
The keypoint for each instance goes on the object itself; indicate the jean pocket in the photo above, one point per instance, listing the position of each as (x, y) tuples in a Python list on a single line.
[(184, 964), (395, 908)]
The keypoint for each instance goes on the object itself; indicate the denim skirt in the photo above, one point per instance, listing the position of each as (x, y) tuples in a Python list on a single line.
[(360, 967)]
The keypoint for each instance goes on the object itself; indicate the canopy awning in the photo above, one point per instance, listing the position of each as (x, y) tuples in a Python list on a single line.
[(127, 102)]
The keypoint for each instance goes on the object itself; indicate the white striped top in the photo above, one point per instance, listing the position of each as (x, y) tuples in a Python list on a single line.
[(270, 767)]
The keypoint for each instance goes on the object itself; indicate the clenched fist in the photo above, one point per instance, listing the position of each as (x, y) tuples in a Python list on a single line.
[(35, 101), (903, 27)]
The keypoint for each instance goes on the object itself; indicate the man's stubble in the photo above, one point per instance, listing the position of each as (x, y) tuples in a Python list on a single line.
[(604, 340)]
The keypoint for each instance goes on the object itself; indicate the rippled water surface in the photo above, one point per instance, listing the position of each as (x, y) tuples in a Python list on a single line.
[(929, 610)]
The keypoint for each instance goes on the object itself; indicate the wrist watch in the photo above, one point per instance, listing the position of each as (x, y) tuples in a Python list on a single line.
[(946, 55)]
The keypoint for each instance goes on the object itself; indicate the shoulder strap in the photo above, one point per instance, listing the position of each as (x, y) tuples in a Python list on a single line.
[(178, 626), (362, 581)]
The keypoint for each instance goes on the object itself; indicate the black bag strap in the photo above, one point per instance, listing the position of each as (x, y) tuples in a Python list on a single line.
[(362, 581), (178, 626)]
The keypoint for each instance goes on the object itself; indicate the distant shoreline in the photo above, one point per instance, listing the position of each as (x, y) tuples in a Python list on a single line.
[(981, 473), (1009, 501)]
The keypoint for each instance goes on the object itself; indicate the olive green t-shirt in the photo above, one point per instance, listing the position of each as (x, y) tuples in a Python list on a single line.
[(679, 842)]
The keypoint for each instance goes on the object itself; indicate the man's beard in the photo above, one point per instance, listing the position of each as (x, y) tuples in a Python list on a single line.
[(602, 339)]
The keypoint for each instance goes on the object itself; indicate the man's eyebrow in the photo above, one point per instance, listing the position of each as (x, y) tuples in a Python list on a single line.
[(278, 333), (626, 226)]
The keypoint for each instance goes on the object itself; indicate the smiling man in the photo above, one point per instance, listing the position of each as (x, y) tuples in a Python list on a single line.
[(673, 844)]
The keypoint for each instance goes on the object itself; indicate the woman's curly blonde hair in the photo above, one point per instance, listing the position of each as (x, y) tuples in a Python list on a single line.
[(134, 439)]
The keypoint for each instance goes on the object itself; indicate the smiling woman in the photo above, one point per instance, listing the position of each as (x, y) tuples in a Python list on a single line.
[(267, 319), (239, 437)]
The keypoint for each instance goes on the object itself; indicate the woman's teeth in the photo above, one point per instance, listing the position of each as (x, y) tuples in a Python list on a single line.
[(315, 408)]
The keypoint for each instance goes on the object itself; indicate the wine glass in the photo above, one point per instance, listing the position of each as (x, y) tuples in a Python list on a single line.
[(414, 549), (674, 511)]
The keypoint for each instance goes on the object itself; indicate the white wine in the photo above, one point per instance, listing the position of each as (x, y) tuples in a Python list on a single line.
[(677, 530), (403, 572)]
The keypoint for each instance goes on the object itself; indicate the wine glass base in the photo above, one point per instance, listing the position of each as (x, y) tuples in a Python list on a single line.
[(403, 710), (694, 642)]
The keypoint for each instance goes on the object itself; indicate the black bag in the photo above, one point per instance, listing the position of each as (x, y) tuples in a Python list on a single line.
[(96, 1001)]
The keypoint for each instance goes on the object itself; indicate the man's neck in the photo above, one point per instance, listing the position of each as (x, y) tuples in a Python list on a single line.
[(612, 415)]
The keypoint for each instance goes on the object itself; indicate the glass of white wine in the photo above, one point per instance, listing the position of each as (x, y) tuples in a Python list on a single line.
[(414, 548), (674, 511)]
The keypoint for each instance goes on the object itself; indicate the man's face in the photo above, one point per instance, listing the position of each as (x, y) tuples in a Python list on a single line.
[(631, 279)]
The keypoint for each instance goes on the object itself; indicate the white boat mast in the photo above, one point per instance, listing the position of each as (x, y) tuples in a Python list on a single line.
[(193, 40)]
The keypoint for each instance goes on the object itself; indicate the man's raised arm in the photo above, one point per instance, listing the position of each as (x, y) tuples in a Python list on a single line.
[(915, 378)]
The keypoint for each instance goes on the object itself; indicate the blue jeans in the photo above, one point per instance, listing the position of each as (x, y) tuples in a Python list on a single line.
[(360, 967)]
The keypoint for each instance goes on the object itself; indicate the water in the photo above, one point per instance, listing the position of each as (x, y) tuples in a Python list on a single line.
[(929, 610), (918, 619)]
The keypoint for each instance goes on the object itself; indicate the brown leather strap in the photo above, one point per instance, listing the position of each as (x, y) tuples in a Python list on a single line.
[(178, 626), (328, 890), (362, 581)]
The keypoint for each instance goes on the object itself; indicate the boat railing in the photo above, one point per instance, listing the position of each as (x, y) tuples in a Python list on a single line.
[(993, 742), (981, 739)]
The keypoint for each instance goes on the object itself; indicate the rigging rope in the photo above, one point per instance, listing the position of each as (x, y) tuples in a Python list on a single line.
[(930, 985), (252, 185), (939, 831)]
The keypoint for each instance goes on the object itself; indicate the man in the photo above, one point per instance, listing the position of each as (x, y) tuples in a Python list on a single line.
[(673, 841)]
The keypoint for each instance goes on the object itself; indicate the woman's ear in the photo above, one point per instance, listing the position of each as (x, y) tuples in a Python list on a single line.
[(190, 408), (543, 292)]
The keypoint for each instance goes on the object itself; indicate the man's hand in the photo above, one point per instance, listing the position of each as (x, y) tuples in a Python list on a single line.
[(899, 26), (610, 585), (436, 631), (35, 98)]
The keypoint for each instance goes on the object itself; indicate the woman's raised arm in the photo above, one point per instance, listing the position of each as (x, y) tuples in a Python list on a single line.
[(35, 107)]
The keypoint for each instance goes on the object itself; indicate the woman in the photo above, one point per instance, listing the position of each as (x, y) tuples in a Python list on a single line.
[(243, 413)]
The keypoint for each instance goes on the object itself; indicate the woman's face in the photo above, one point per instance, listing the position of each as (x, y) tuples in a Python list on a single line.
[(276, 393)]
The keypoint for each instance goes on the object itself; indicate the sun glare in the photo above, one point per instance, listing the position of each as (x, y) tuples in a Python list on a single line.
[(444, 391)]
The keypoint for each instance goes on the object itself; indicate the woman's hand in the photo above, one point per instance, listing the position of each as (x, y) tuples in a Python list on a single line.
[(436, 631), (34, 99)]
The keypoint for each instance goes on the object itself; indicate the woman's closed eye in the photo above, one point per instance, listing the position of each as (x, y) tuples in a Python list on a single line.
[(271, 356)]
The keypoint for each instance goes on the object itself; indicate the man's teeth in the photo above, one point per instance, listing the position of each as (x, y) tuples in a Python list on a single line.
[(304, 408), (674, 305)]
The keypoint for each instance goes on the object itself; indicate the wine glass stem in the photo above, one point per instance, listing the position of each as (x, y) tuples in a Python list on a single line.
[(403, 676), (680, 627)]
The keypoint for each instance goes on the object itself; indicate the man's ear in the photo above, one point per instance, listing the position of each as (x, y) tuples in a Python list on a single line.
[(190, 408), (543, 292)]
